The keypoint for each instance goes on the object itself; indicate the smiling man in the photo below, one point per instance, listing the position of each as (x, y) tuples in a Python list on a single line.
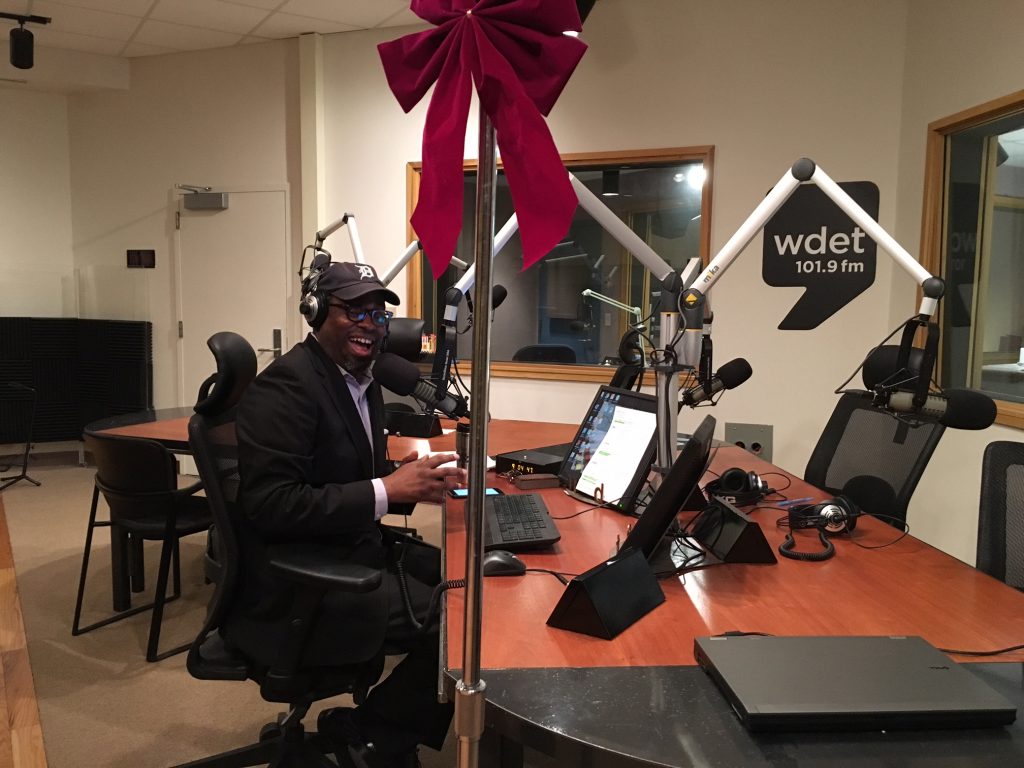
[(313, 468)]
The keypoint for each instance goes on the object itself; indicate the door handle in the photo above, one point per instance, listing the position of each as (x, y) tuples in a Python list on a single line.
[(276, 349)]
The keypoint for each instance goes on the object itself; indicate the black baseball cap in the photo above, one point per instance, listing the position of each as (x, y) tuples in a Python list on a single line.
[(349, 281)]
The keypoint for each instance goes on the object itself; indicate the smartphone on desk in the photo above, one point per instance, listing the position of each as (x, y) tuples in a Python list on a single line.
[(462, 493)]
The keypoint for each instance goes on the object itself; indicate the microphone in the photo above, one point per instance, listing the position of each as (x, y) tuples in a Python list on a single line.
[(498, 295), (403, 378), (954, 408), (730, 375)]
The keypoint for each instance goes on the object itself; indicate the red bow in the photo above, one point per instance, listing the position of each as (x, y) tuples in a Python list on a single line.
[(515, 52)]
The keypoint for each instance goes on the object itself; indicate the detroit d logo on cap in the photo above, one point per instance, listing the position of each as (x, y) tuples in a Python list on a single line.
[(366, 272)]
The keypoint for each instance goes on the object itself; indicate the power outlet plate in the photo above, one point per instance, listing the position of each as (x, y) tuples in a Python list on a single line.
[(756, 438)]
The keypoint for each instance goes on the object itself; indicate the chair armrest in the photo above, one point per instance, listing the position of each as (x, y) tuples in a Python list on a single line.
[(321, 569)]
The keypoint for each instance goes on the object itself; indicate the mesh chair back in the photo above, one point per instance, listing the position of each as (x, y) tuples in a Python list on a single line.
[(861, 440), (1000, 550)]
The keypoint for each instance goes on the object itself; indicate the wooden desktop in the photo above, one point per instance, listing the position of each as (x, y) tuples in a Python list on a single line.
[(640, 700)]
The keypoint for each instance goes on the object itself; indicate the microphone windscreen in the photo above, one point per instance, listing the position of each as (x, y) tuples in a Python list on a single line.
[(405, 337), (498, 295), (734, 373), (883, 364), (395, 373), (968, 409)]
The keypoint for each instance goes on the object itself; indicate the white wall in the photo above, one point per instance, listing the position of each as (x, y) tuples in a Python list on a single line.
[(224, 118), (765, 83), (36, 264), (959, 55)]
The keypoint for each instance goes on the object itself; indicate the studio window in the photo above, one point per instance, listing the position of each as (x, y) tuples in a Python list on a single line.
[(564, 317), (974, 234)]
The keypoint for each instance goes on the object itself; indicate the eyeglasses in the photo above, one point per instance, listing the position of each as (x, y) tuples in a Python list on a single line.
[(378, 316)]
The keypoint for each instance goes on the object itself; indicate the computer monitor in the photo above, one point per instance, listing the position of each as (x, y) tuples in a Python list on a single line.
[(610, 457), (677, 486)]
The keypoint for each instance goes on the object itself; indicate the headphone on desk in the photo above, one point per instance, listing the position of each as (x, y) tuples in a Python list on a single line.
[(829, 518), (739, 487), (835, 516)]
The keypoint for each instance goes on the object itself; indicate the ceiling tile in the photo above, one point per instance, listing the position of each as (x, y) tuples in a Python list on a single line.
[(286, 25), (210, 14), (403, 18), (134, 49), (183, 38), (86, 21), (358, 13), (128, 7), (269, 5), (52, 38)]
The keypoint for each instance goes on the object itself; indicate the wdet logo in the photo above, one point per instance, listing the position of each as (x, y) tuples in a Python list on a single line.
[(811, 242)]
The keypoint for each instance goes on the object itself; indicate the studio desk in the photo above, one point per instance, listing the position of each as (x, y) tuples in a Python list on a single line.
[(640, 699)]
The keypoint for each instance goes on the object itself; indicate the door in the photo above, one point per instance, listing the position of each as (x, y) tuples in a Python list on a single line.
[(233, 266)]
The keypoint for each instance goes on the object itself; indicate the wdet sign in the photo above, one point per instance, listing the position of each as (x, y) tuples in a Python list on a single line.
[(811, 242)]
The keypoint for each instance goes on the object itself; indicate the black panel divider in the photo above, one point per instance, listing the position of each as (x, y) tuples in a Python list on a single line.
[(82, 370)]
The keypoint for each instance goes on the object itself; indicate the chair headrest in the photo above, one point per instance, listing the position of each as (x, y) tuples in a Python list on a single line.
[(236, 368)]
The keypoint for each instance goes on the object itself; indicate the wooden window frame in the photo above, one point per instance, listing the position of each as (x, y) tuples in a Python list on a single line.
[(933, 240), (415, 272)]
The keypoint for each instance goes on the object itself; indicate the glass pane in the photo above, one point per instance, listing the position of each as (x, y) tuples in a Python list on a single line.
[(546, 316), (983, 321)]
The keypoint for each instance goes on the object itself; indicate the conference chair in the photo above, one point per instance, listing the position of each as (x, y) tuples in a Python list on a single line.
[(545, 353), (139, 481), (1000, 550), (867, 454), (212, 656)]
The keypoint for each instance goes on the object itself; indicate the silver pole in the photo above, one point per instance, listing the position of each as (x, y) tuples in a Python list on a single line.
[(469, 692)]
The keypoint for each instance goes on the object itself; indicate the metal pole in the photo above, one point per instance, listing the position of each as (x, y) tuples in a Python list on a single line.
[(469, 691)]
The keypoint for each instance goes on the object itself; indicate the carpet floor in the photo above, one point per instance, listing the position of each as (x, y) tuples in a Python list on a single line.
[(100, 702)]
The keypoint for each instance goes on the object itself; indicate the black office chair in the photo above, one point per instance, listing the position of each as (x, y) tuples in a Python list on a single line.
[(545, 353), (867, 454), (1000, 550), (283, 743), (138, 479)]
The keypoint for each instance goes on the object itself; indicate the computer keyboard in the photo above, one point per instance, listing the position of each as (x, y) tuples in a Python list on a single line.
[(517, 522)]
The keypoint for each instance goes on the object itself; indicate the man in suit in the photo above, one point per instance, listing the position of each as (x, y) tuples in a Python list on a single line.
[(313, 469)]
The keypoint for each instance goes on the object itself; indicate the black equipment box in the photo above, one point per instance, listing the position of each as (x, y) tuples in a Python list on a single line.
[(532, 461)]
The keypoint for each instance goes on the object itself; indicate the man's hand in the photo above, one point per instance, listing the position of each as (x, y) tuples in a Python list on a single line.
[(422, 479)]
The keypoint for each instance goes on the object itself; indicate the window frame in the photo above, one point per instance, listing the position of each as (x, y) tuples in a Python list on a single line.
[(416, 271), (933, 213)]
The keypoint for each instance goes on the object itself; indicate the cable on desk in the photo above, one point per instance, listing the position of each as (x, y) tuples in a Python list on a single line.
[(603, 504), (906, 530), (556, 574)]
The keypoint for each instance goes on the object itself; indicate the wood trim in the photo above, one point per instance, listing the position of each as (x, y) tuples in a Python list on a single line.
[(414, 269), (933, 241), (21, 735), (976, 115)]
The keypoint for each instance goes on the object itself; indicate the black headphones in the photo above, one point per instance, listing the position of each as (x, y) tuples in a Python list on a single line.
[(739, 487), (315, 304), (631, 351), (835, 516), (830, 518)]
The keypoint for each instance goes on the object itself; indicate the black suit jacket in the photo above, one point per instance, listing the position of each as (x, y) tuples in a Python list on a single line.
[(305, 466)]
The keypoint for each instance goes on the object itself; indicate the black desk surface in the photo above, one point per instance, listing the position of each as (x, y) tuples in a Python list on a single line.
[(676, 716)]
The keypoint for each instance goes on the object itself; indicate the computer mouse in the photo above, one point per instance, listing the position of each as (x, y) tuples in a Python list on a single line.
[(498, 562)]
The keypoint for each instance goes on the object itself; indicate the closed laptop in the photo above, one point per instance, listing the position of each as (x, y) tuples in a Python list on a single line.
[(847, 683)]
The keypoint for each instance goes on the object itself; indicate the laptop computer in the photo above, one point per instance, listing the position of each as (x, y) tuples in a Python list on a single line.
[(847, 683)]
